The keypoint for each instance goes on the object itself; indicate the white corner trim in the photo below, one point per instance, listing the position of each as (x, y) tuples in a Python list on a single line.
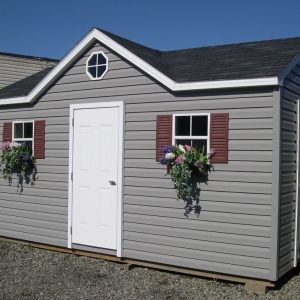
[(288, 68), (95, 35)]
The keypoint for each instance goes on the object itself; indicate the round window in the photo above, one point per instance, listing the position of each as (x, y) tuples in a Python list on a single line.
[(97, 65)]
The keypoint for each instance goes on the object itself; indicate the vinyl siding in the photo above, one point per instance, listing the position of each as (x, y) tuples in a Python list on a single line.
[(290, 94), (231, 234), (15, 68)]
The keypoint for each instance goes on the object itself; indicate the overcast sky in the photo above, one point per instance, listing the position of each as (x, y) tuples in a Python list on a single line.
[(51, 29)]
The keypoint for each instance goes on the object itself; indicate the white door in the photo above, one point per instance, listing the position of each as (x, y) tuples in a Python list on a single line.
[(95, 174)]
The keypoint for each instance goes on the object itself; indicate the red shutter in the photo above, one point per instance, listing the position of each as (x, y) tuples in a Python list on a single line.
[(163, 133), (7, 132), (39, 139), (219, 137)]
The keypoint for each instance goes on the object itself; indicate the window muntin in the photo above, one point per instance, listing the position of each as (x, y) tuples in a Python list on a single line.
[(24, 132), (97, 65), (191, 129)]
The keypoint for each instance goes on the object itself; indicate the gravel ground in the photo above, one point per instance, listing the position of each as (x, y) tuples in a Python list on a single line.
[(31, 273)]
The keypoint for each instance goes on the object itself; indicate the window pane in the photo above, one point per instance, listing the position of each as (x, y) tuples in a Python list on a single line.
[(28, 130), (18, 130), (199, 125), (183, 142), (182, 125), (101, 59), (200, 144), (101, 70), (93, 60), (92, 71)]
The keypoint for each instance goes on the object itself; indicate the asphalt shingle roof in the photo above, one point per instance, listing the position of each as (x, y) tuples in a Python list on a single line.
[(23, 86), (225, 62)]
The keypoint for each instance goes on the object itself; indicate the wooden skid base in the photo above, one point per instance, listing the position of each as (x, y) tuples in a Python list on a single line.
[(251, 285)]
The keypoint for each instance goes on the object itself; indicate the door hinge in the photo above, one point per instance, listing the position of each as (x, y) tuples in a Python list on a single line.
[(73, 122), (71, 230), (72, 176)]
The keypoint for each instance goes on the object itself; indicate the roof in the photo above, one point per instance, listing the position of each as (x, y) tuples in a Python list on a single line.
[(263, 63), (23, 86), (29, 56), (234, 61)]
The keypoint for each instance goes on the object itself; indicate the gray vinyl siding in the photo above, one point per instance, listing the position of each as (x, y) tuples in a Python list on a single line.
[(232, 232), (290, 94), (15, 68)]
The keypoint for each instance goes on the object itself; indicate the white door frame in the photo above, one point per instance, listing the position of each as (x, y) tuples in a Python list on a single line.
[(120, 167)]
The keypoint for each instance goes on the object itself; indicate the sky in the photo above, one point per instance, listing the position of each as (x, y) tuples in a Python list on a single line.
[(51, 29)]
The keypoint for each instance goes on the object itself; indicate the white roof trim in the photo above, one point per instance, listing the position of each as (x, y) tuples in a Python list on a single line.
[(95, 34)]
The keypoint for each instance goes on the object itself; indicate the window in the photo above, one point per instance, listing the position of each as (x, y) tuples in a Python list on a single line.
[(210, 130), (31, 132), (97, 65), (192, 129), (23, 132)]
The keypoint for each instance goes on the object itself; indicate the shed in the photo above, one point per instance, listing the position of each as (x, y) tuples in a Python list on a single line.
[(98, 120)]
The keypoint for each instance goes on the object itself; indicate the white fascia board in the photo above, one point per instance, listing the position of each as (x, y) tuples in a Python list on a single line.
[(288, 68), (94, 35)]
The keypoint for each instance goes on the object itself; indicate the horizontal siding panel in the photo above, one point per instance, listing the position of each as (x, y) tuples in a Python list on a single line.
[(194, 105), (15, 199), (207, 205), (233, 113), (236, 166), (198, 264), (289, 125), (286, 187), (288, 167), (59, 186), (207, 195), (30, 237), (22, 205), (197, 224), (200, 234), (46, 228), (204, 215), (241, 187), (35, 191), (197, 254), (288, 146), (287, 177), (201, 246), (33, 215), (214, 176)]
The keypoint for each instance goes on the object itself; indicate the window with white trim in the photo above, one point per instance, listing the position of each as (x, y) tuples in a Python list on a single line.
[(191, 129), (23, 132), (97, 65)]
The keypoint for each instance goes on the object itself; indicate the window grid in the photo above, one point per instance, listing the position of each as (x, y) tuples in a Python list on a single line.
[(23, 139), (191, 137)]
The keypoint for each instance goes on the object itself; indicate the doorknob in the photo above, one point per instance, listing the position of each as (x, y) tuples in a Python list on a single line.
[(112, 182)]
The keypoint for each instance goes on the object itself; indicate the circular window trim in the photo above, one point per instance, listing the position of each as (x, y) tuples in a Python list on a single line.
[(86, 66)]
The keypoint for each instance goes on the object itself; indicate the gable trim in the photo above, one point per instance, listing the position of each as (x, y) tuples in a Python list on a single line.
[(96, 35)]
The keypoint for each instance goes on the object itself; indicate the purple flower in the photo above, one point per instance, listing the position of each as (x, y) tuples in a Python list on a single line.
[(163, 160), (25, 158), (5, 146), (198, 163), (23, 144), (180, 159), (211, 153), (22, 153), (167, 149)]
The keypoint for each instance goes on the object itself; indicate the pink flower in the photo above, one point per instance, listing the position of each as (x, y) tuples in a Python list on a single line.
[(5, 146), (188, 148), (180, 159), (198, 163), (211, 153)]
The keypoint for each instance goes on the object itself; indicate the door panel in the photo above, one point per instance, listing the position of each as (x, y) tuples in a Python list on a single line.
[(95, 167)]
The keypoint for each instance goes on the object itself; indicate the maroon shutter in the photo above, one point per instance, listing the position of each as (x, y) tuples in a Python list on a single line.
[(163, 133), (219, 137), (7, 132), (39, 139)]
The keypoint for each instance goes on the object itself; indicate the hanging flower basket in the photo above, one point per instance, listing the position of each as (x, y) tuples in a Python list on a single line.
[(16, 158), (182, 162)]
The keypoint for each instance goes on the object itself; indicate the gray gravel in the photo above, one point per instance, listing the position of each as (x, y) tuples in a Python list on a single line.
[(31, 273)]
